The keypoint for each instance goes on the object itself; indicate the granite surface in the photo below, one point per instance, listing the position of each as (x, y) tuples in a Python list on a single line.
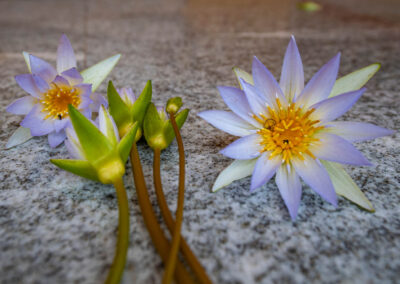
[(58, 228)]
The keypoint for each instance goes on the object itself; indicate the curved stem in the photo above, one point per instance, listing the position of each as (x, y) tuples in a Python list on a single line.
[(118, 265), (157, 235)]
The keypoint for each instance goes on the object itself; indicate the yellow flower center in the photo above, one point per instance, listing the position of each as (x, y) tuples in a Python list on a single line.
[(56, 101), (288, 131)]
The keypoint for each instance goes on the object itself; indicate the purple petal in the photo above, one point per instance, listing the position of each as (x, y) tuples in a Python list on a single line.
[(289, 186), (336, 149), (321, 84), (42, 68), (86, 89), (315, 175), (73, 76), (292, 76), (227, 121), (36, 123), (266, 83), (257, 104), (41, 84), (28, 84), (245, 148), (22, 106), (60, 124), (56, 138), (357, 131), (236, 100), (264, 169), (332, 108), (65, 55), (60, 81), (97, 101)]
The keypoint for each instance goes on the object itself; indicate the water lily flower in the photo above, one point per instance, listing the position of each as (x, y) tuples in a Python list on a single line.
[(289, 130), (51, 90)]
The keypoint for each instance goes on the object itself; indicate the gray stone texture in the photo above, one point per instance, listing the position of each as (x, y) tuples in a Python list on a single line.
[(59, 228)]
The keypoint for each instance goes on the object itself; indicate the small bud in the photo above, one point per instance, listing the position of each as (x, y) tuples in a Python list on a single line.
[(173, 105)]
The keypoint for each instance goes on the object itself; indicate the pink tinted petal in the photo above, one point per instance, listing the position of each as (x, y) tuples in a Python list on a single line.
[(266, 83), (332, 108), (65, 55), (321, 84), (228, 122), (28, 84), (289, 186), (245, 148), (36, 123), (22, 106), (336, 149), (264, 169), (292, 76), (257, 104), (56, 138), (236, 100), (315, 175), (73, 76), (42, 68), (357, 131)]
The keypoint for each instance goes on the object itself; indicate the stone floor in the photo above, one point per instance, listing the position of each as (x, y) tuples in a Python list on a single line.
[(58, 228)]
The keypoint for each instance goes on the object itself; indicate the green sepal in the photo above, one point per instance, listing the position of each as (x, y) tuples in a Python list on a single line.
[(92, 140), (78, 167), (240, 73), (355, 80), (141, 104), (125, 145), (345, 186), (97, 73), (169, 130), (118, 109), (153, 127)]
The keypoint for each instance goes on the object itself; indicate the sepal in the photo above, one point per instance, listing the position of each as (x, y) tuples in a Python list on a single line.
[(79, 167)]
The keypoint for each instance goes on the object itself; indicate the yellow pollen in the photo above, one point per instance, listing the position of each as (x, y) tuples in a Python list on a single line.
[(56, 100), (288, 131)]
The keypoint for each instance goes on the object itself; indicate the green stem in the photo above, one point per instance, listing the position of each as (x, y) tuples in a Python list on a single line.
[(118, 265), (156, 233)]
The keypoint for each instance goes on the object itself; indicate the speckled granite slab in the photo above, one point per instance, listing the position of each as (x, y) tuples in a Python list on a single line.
[(57, 228)]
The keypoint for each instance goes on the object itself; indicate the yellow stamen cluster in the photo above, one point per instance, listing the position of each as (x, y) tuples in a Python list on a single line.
[(56, 101), (288, 131)]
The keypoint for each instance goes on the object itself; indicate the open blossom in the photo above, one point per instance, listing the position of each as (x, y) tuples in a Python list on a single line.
[(288, 129), (50, 92)]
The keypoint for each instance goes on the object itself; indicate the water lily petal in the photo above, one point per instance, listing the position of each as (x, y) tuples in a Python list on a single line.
[(336, 149), (60, 81), (332, 108), (345, 186), (21, 135), (257, 104), (22, 106), (357, 131), (236, 100), (35, 121), (266, 83), (56, 138), (264, 169), (97, 73), (42, 68), (228, 122), (245, 148), (355, 80), (321, 84), (97, 100), (73, 146), (41, 84), (292, 76), (289, 186), (73, 76), (27, 60), (107, 126), (237, 170), (60, 124), (315, 175), (28, 84), (65, 55)]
